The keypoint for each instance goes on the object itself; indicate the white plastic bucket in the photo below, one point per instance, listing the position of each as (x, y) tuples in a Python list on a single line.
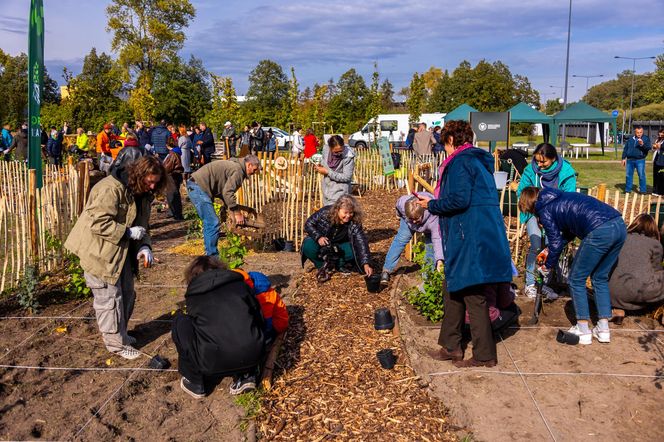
[(500, 178)]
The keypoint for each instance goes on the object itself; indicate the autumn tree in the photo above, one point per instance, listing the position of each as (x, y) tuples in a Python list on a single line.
[(416, 98)]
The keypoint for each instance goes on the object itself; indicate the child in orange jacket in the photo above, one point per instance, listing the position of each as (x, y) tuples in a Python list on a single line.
[(272, 306)]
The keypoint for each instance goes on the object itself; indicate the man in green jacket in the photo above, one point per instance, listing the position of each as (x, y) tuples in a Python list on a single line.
[(546, 170), (219, 179)]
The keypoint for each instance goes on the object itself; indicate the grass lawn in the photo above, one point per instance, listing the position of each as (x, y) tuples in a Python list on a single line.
[(613, 174)]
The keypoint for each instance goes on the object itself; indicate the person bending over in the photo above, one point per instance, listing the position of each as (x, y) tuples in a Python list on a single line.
[(637, 282), (547, 170), (110, 237), (564, 216), (219, 179), (336, 240), (222, 332), (413, 218)]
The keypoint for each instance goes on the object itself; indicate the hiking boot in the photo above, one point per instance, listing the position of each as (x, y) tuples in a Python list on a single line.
[(196, 391), (385, 278), (584, 338), (549, 293), (443, 354), (603, 336), (472, 362), (323, 275), (243, 383), (128, 352)]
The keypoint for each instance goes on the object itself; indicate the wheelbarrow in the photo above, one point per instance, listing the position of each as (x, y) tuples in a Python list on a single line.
[(253, 225)]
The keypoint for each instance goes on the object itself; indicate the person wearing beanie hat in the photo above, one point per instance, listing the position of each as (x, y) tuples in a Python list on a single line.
[(230, 140)]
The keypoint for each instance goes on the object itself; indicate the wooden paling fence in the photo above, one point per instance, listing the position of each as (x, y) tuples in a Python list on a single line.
[(294, 193), (33, 221)]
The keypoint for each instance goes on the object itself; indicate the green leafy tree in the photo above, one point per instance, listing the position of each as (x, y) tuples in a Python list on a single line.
[(416, 98), (181, 92), (552, 106), (431, 78), (14, 89), (95, 94), (374, 99), (615, 94), (387, 94), (294, 107), (346, 110), (268, 89), (224, 104), (655, 91), (147, 34)]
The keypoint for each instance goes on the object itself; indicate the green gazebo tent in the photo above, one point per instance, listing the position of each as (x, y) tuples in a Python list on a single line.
[(584, 113), (523, 113), (460, 113)]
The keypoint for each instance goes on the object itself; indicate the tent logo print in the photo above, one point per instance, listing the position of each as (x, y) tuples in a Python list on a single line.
[(482, 127)]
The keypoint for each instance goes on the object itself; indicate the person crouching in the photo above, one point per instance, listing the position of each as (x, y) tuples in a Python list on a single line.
[(222, 332)]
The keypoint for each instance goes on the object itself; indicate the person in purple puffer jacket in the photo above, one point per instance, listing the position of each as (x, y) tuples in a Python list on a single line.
[(414, 218)]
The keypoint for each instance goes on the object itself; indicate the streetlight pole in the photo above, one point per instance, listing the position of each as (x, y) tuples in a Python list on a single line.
[(569, 34), (587, 77), (631, 95)]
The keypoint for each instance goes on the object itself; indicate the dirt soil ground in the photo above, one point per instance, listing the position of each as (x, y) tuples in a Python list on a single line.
[(543, 390), (328, 383)]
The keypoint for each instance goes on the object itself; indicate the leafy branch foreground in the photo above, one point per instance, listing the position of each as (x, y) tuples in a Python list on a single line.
[(427, 298)]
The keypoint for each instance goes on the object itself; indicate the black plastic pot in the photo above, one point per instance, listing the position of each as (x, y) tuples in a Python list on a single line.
[(567, 338), (386, 358), (159, 363), (289, 246), (279, 244), (373, 283), (383, 319)]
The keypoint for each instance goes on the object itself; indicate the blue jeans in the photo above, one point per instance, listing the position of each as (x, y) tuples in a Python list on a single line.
[(595, 257), (403, 236), (203, 204), (535, 237), (640, 166)]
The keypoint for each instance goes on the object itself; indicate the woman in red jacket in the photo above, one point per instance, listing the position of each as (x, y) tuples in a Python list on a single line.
[(310, 143)]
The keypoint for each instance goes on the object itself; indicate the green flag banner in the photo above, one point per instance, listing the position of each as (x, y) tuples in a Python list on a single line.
[(386, 156), (35, 85)]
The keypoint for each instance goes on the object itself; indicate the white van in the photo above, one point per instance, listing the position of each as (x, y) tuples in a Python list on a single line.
[(393, 126)]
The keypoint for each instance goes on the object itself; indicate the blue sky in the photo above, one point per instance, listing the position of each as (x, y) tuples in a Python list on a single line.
[(323, 39)]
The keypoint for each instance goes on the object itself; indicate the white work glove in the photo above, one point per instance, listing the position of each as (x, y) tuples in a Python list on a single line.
[(544, 271), (146, 254), (137, 233)]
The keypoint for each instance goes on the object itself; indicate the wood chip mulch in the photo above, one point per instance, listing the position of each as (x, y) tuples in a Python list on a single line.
[(329, 383)]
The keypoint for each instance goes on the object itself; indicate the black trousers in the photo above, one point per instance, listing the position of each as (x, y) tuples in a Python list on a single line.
[(474, 299), (658, 179), (207, 154), (173, 196), (183, 336)]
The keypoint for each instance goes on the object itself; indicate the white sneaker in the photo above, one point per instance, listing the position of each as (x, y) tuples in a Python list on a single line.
[(530, 291), (129, 352), (549, 293), (584, 338), (603, 336)]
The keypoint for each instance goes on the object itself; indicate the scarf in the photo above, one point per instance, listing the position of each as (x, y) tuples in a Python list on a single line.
[(445, 163), (334, 159), (548, 177)]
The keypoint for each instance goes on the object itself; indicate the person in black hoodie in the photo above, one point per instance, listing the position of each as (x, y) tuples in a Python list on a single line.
[(222, 332)]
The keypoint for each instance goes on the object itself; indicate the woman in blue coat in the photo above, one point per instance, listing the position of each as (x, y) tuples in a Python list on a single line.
[(564, 216), (477, 254)]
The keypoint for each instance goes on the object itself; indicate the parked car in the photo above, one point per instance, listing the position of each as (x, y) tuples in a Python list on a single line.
[(393, 126), (283, 137)]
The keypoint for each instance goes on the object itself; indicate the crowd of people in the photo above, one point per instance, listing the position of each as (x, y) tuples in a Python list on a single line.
[(233, 315)]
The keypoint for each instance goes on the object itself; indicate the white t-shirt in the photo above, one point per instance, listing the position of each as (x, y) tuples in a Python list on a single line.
[(298, 144)]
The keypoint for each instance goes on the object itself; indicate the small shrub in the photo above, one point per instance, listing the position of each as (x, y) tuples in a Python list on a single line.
[(27, 290), (76, 286), (427, 299), (233, 251)]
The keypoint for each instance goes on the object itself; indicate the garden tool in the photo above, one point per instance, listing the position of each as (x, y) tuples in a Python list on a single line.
[(254, 222)]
